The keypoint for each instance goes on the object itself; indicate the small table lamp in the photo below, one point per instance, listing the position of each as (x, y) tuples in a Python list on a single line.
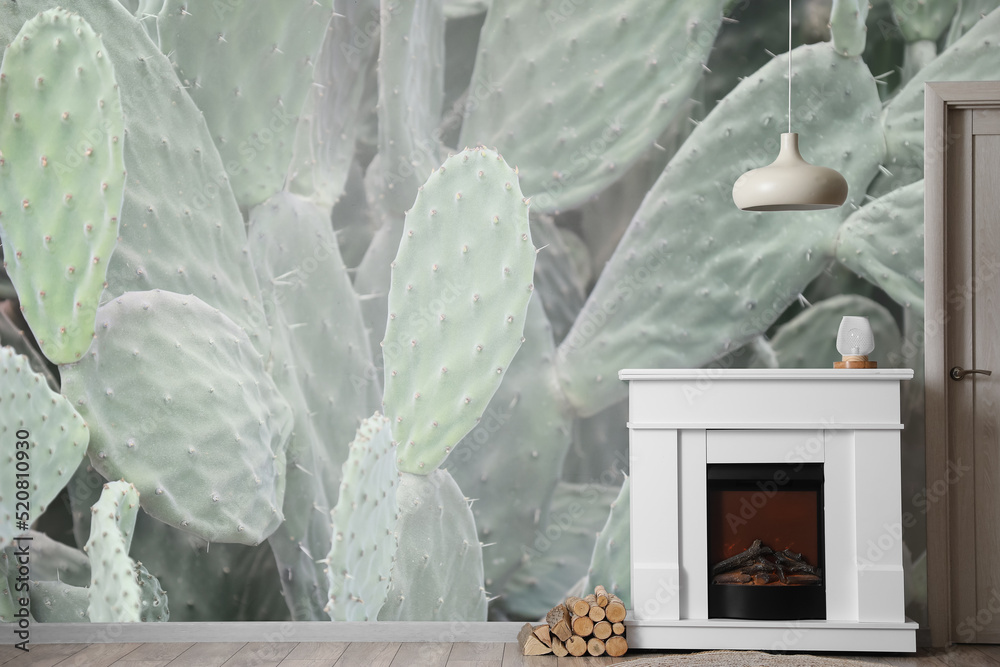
[(855, 341)]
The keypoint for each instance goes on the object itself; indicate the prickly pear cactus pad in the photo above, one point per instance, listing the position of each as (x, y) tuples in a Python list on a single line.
[(611, 565), (180, 229), (181, 405), (61, 176), (694, 277), (589, 113), (56, 441), (972, 58), (461, 283), (411, 92), (438, 573), (153, 603), (114, 591), (248, 67), (884, 242), (364, 526), (847, 26), (328, 126)]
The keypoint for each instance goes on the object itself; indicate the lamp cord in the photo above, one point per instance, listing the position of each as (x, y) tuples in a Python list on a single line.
[(789, 66)]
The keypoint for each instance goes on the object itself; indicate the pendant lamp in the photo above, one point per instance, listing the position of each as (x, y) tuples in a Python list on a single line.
[(790, 183)]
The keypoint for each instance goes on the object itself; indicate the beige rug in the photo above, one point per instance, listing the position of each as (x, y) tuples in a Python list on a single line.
[(744, 659)]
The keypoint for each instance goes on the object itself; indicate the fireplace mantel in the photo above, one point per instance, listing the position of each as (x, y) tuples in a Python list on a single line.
[(681, 421)]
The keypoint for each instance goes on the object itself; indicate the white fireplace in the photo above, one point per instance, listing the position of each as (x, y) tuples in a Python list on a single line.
[(842, 425)]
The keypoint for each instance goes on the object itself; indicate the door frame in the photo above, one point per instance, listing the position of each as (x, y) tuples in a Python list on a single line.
[(939, 99)]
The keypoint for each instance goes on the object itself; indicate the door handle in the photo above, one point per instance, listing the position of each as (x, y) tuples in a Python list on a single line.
[(958, 373)]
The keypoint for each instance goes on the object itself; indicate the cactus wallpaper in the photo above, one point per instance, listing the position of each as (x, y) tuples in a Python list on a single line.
[(313, 309)]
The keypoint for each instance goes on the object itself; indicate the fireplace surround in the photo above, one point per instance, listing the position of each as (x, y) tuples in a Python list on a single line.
[(804, 464)]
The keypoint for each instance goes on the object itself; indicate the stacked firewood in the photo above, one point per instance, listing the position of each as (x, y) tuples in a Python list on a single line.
[(592, 625)]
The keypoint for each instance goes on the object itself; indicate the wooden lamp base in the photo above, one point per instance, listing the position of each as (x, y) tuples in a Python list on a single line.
[(855, 361)]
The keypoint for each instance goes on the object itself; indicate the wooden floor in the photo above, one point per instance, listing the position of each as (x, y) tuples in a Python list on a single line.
[(389, 655)]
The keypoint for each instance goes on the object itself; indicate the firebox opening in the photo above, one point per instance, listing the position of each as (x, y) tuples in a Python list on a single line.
[(765, 541)]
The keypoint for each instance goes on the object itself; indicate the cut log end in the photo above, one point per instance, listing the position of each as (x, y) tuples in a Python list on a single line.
[(615, 611), (582, 626), (576, 646), (578, 606), (558, 648), (616, 646), (595, 646), (603, 630)]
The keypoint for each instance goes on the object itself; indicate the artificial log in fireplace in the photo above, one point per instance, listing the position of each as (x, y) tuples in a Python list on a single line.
[(765, 533)]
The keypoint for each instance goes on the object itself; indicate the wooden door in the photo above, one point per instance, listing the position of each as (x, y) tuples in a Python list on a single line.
[(973, 343)]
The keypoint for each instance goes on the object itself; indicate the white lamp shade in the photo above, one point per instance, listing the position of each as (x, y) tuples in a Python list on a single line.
[(790, 183), (855, 336)]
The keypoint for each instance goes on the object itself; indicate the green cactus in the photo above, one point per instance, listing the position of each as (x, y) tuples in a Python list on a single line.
[(121, 590), (972, 58), (847, 25), (457, 304), (411, 92), (55, 440), (364, 524), (593, 112), (884, 242), (561, 552), (295, 255), (181, 229), (610, 564), (682, 293), (153, 603), (328, 126), (248, 66), (59, 602), (968, 14), (61, 176), (511, 461), (114, 593), (438, 571), (162, 370), (809, 340)]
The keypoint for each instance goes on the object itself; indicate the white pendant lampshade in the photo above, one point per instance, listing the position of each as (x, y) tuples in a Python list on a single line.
[(790, 183)]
